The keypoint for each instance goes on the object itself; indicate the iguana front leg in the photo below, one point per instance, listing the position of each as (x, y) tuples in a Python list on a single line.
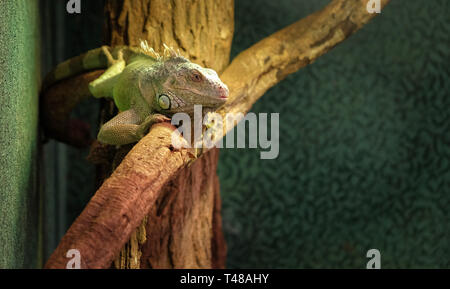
[(148, 122), (127, 127)]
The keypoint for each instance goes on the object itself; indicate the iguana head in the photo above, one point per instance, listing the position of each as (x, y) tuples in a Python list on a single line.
[(185, 84)]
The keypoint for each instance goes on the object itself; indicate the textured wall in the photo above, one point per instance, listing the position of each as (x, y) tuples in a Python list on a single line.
[(19, 76), (364, 148)]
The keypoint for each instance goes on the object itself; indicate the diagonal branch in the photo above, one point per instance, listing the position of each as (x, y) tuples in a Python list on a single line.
[(124, 199), (269, 61)]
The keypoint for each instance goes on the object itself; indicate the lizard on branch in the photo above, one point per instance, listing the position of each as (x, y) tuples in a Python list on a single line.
[(145, 86)]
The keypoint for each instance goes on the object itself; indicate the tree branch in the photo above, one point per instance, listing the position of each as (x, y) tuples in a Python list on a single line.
[(56, 106), (124, 199), (269, 61)]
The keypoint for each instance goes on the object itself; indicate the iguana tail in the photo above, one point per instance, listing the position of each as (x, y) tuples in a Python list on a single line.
[(57, 123), (90, 60)]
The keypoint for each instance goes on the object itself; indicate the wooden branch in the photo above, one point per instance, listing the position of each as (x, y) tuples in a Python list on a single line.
[(121, 203), (269, 61), (123, 200), (56, 106)]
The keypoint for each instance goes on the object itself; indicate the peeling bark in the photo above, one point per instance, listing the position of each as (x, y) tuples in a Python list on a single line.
[(181, 202)]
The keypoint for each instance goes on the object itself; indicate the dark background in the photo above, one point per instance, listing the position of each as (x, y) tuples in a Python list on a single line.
[(364, 143)]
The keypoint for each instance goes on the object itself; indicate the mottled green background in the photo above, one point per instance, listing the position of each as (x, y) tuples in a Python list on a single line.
[(364, 148)]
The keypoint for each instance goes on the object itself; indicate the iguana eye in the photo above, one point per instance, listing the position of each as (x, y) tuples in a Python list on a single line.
[(164, 101), (196, 76)]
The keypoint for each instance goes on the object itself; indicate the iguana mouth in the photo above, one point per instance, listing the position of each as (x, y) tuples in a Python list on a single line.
[(221, 96)]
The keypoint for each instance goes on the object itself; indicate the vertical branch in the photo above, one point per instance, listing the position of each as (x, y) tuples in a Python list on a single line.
[(201, 30)]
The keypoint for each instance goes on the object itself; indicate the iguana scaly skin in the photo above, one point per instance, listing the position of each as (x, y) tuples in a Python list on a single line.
[(145, 86)]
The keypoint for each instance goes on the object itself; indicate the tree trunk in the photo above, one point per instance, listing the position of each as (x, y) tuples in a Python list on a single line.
[(183, 229)]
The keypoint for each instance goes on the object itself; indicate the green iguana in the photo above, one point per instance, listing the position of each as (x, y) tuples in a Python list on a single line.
[(146, 87)]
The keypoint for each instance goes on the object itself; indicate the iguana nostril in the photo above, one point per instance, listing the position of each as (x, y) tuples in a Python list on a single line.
[(223, 91)]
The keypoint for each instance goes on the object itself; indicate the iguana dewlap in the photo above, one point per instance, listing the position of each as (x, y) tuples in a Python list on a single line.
[(146, 87)]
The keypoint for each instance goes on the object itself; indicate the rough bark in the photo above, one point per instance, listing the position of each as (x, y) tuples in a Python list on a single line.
[(145, 178), (201, 30), (184, 225), (180, 224)]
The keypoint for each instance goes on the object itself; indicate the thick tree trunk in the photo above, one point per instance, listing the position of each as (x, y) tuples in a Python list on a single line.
[(183, 229)]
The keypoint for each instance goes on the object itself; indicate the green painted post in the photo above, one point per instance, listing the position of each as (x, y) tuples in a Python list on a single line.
[(19, 85)]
